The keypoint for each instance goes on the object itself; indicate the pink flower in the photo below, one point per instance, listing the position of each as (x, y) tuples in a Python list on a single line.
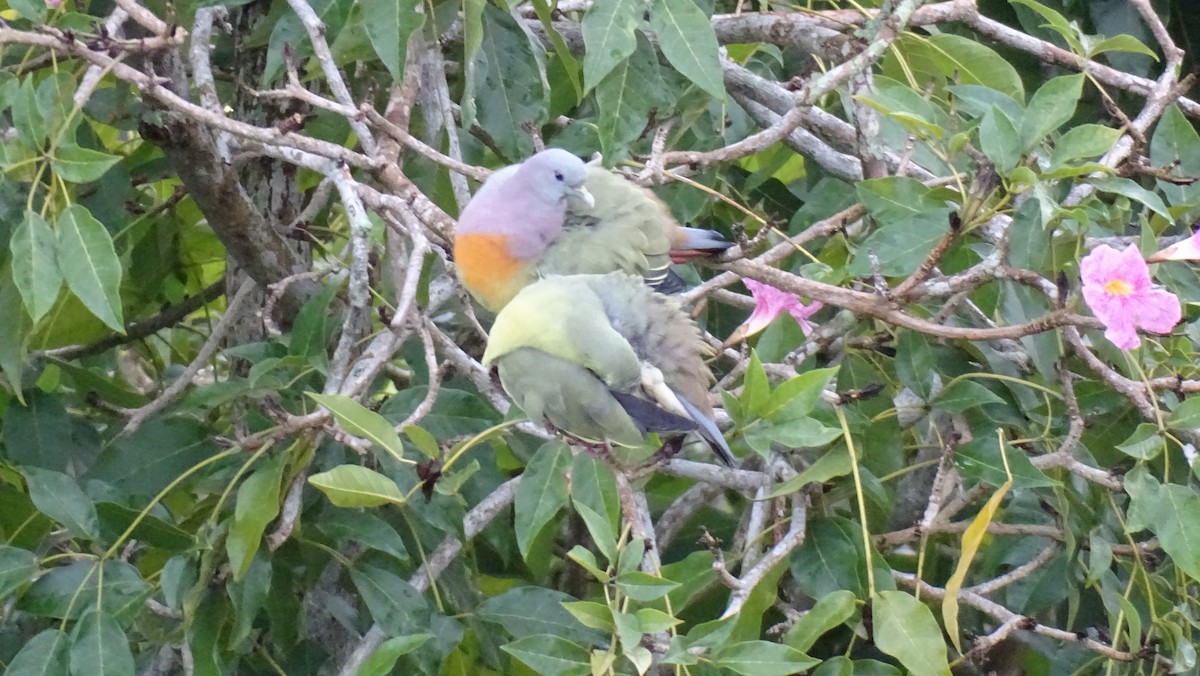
[(1116, 286), (769, 303), (1185, 250)]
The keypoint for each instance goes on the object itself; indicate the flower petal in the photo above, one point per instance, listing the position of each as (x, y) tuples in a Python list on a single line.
[(1122, 335), (1157, 311)]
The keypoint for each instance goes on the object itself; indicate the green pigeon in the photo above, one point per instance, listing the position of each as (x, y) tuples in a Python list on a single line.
[(553, 214), (605, 359)]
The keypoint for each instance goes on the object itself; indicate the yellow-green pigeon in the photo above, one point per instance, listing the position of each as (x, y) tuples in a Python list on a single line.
[(553, 214), (605, 359)]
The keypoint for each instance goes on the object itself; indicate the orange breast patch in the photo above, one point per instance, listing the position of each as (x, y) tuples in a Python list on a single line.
[(487, 269)]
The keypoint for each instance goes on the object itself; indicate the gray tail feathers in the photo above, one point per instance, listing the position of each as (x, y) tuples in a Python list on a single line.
[(706, 428), (650, 417), (705, 240), (668, 282)]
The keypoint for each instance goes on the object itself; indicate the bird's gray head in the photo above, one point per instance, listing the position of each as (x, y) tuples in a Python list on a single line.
[(554, 174)]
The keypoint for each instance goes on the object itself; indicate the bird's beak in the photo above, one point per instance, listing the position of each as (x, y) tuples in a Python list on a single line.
[(584, 196), (1180, 251)]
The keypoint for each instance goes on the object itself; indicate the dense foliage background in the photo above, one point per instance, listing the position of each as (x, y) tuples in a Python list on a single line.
[(245, 429)]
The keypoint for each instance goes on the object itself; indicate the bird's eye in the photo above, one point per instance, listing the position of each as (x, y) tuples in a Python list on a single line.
[(558, 176)]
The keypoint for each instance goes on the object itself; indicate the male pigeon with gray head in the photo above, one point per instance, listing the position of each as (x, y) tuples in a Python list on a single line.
[(552, 214), (605, 359)]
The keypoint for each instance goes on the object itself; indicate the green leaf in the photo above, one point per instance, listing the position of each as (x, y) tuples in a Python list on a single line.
[(799, 395), (90, 266), (257, 505), (643, 587), (145, 462), (1055, 21), (39, 433), (906, 629), (424, 441), (1121, 43), (981, 460), (570, 65), (551, 655), (362, 422), (529, 611), (686, 37), (42, 655), (915, 365), (30, 9), (591, 614), (600, 529), (913, 219), (829, 612), (963, 395), (1050, 107), (1186, 415), (541, 493), (28, 120), (383, 660), (313, 327), (67, 591), (472, 42), (625, 98), (100, 647), (34, 264), (17, 566), (1144, 444), (587, 560), (1000, 140), (970, 62), (364, 528), (1172, 512), (763, 658), (60, 498), (394, 604), (1086, 141), (756, 389), (833, 464), (653, 620), (150, 530), (1129, 188), (511, 96), (357, 486), (81, 165), (389, 24), (608, 37)]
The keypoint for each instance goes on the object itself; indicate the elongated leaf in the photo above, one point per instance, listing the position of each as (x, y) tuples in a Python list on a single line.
[(35, 264), (357, 486), (541, 493), (100, 647), (763, 658), (1050, 107), (641, 586), (42, 655), (625, 97), (364, 528), (685, 35), (1135, 192), (798, 396), (383, 660), (906, 630), (1144, 444), (1186, 416), (833, 464), (511, 96), (609, 36), (81, 165), (528, 611), (1173, 513), (17, 567), (362, 422), (90, 266), (394, 604), (550, 655), (389, 24), (257, 505), (972, 63), (1000, 140), (829, 612), (60, 498)]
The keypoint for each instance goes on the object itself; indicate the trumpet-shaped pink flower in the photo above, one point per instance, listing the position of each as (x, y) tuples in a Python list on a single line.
[(769, 303), (1117, 287), (1183, 250)]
